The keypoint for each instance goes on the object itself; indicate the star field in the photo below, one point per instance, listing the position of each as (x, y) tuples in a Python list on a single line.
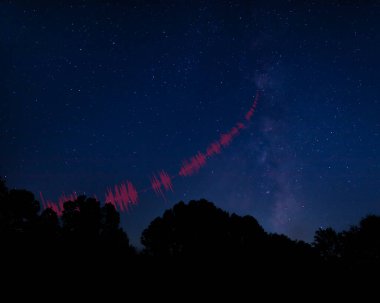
[(97, 92)]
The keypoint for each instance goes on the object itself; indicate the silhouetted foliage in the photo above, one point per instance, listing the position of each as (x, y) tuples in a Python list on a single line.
[(326, 241), (81, 221), (18, 214), (356, 248), (199, 229), (111, 234), (195, 230), (246, 235), (84, 224), (48, 227)]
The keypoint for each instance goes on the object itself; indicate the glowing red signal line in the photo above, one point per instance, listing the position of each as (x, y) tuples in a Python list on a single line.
[(122, 195), (125, 194), (192, 166), (58, 206), (213, 149), (156, 186), (161, 183), (166, 181), (252, 109)]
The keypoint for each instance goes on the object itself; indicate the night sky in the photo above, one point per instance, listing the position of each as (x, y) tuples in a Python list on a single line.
[(93, 93)]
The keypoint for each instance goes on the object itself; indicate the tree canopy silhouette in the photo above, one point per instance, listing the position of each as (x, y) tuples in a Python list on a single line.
[(84, 223), (195, 230), (200, 229), (18, 214), (356, 248)]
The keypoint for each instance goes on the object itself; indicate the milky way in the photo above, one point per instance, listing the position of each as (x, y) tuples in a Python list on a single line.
[(139, 103)]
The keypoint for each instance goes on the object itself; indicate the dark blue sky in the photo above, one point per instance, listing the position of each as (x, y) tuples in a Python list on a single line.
[(97, 92)]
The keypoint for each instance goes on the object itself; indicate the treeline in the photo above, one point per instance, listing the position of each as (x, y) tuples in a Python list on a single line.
[(197, 230)]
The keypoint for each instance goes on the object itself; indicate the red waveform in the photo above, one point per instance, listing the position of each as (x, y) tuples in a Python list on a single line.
[(166, 181), (133, 194), (249, 114), (213, 149), (58, 206), (251, 111), (226, 139), (193, 166), (156, 185), (122, 196), (240, 125)]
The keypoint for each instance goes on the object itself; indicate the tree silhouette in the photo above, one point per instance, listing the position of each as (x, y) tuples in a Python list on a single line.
[(4, 209), (196, 229), (18, 214), (201, 231), (47, 227), (111, 234), (81, 221), (361, 244), (370, 237), (354, 249), (84, 224), (247, 237), (327, 242)]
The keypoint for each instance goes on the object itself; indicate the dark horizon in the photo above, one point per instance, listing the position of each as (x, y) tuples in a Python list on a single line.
[(196, 237), (148, 96)]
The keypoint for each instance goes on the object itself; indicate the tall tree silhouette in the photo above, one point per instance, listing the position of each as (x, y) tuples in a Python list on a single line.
[(85, 224), (4, 209), (47, 227), (111, 233), (18, 213), (327, 242), (81, 221)]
